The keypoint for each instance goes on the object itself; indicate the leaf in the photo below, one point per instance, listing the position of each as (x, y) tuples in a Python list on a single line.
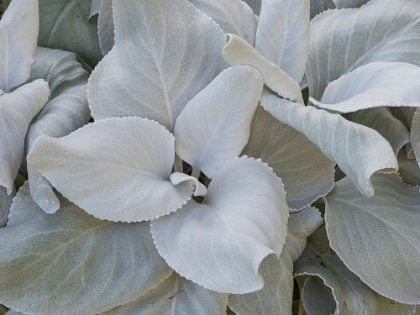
[(373, 85), (176, 295), (175, 53), (283, 35), (115, 169), (305, 171), (51, 261), (316, 7), (59, 68), (17, 109), (415, 135), (340, 4), (389, 127), (363, 152), (334, 49), (5, 203), (12, 312), (94, 9), (382, 230), (66, 111), (106, 27), (409, 169), (64, 25), (341, 288), (255, 5), (220, 243), (237, 51), (215, 125), (233, 16), (277, 295), (18, 34)]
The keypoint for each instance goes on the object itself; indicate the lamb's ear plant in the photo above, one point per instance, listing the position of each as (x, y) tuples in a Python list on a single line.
[(188, 173)]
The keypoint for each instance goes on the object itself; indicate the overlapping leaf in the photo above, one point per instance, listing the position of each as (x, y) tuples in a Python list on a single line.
[(5, 203), (165, 53), (220, 243), (377, 237), (359, 151), (387, 30), (51, 261), (116, 169), (305, 171), (215, 125), (106, 27)]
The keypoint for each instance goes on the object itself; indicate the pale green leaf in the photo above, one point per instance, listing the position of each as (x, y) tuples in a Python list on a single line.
[(377, 237), (116, 169), (215, 125), (106, 27), (165, 52), (71, 263), (305, 171), (220, 243), (340, 4), (409, 169), (255, 5), (5, 203)]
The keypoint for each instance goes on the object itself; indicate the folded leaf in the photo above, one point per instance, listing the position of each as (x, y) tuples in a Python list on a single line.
[(214, 126), (176, 296), (305, 171), (220, 243), (389, 127), (19, 28), (382, 230), (5, 203), (116, 169), (233, 16), (17, 109), (237, 51), (51, 261), (283, 35), (64, 25), (106, 27), (409, 169), (373, 85), (277, 295), (334, 49), (175, 53), (359, 151)]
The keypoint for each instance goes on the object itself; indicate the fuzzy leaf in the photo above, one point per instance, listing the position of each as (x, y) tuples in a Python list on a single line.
[(233, 16), (220, 243), (409, 169), (363, 152), (51, 261), (277, 295), (5, 203), (94, 8), (335, 49), (283, 35), (116, 169), (19, 28), (176, 296), (237, 51), (17, 109), (373, 85), (255, 5), (317, 6), (106, 27), (382, 230), (215, 125), (305, 171), (340, 4), (64, 25), (174, 54), (415, 134)]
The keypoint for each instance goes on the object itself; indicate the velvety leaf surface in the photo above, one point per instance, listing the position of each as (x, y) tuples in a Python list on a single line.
[(19, 28), (255, 5), (389, 127), (361, 154), (409, 169), (220, 243), (5, 203), (373, 85), (174, 54), (305, 171), (340, 4), (17, 109), (115, 169), (317, 6), (277, 294), (64, 25), (335, 49), (377, 237), (233, 16), (237, 51), (176, 296), (95, 6), (215, 125), (283, 35), (106, 27), (71, 263), (317, 298), (415, 134)]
